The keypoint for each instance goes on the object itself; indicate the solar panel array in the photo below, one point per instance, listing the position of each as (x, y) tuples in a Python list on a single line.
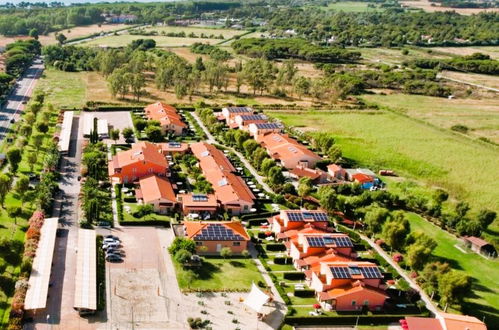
[(239, 109), (268, 126), (199, 198), (303, 216), (217, 232), (340, 272), (371, 272), (323, 241), (253, 117), (174, 144)]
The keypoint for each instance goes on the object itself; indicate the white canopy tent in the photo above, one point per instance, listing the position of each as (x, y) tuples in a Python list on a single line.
[(256, 299)]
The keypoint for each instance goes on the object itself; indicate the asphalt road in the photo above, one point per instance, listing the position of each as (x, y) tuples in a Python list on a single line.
[(23, 91)]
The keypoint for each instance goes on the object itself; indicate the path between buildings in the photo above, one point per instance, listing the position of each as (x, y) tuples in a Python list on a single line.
[(211, 140), (412, 283), (275, 318)]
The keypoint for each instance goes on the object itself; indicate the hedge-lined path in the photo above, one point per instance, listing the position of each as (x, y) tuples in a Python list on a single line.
[(211, 140), (429, 304), (275, 318)]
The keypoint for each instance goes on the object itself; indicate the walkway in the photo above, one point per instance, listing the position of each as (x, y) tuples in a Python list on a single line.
[(275, 318), (441, 76), (211, 140), (412, 283)]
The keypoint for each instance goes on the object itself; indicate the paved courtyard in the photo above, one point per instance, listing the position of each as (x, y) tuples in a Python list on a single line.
[(115, 119)]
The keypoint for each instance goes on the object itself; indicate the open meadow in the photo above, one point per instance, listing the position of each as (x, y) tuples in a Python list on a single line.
[(352, 6), (492, 51), (427, 5), (481, 116), (226, 33), (485, 302), (76, 32), (473, 78), (393, 56), (383, 139)]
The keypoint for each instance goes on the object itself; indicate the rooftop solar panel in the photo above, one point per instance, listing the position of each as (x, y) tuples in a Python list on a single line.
[(371, 272), (199, 198), (340, 272), (239, 109), (268, 126), (309, 216), (217, 232)]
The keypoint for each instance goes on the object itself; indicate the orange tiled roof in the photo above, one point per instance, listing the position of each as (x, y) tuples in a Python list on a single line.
[(334, 167), (461, 322), (349, 289), (218, 171), (153, 188), (362, 178), (301, 171), (140, 152), (281, 146), (194, 228), (164, 113), (187, 200), (173, 147)]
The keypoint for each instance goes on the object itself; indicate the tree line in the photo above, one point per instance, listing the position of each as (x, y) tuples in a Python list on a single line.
[(476, 63), (293, 48)]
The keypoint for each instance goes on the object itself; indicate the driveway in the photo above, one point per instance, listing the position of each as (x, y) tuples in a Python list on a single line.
[(14, 104)]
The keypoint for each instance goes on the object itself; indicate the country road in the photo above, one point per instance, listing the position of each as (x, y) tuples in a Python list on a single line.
[(467, 83), (22, 92)]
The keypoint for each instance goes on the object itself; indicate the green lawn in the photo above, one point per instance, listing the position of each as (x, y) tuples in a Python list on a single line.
[(133, 207), (161, 41), (227, 33), (480, 116), (413, 149), (217, 274), (485, 272), (63, 89)]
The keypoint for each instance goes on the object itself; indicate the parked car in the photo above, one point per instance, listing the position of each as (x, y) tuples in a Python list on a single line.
[(115, 251), (114, 258), (112, 236), (104, 224), (111, 240), (108, 245)]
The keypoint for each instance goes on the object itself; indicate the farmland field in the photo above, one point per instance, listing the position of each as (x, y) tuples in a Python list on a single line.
[(413, 149), (351, 6), (63, 89), (484, 271), (493, 52), (474, 78), (393, 55), (226, 33), (481, 116), (426, 5), (76, 32)]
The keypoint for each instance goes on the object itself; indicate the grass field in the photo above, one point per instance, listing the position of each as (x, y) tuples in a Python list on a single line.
[(161, 41), (393, 55), (474, 78), (351, 6), (76, 32), (484, 272), (217, 274), (426, 5), (435, 157), (480, 115), (492, 51), (63, 89), (227, 33)]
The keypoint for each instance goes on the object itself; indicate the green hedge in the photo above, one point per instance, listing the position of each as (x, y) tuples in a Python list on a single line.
[(101, 275), (283, 260), (258, 215), (119, 202), (130, 199), (275, 247), (256, 222), (306, 293), (344, 319), (294, 276), (160, 223)]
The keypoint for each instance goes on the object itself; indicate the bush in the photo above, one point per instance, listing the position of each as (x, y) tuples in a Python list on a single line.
[(283, 260), (275, 247), (257, 222), (294, 276), (143, 210), (460, 128), (343, 320), (159, 223), (130, 199), (304, 293)]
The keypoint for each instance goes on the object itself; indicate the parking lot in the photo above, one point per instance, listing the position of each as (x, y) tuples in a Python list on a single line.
[(116, 120), (135, 295)]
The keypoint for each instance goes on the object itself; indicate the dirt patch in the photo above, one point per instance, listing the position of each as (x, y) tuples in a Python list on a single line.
[(427, 6)]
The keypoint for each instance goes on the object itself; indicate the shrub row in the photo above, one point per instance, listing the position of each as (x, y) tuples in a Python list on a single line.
[(256, 222), (160, 223), (306, 293), (119, 202), (343, 320), (294, 276), (275, 247), (101, 275), (283, 260), (261, 215)]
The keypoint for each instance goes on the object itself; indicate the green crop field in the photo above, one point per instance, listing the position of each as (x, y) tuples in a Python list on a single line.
[(480, 116), (466, 168), (485, 272), (161, 41)]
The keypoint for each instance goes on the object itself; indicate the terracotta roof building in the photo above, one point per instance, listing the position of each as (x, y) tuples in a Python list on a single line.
[(288, 220), (287, 150), (230, 113), (443, 321), (230, 189), (212, 236), (157, 192), (142, 159), (198, 203), (170, 121)]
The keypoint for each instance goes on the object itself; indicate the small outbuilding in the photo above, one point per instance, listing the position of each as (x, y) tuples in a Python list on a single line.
[(480, 246)]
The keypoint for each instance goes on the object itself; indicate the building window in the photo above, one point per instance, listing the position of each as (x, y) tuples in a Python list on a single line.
[(134, 170), (245, 207), (199, 243), (366, 302), (354, 302), (236, 243)]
